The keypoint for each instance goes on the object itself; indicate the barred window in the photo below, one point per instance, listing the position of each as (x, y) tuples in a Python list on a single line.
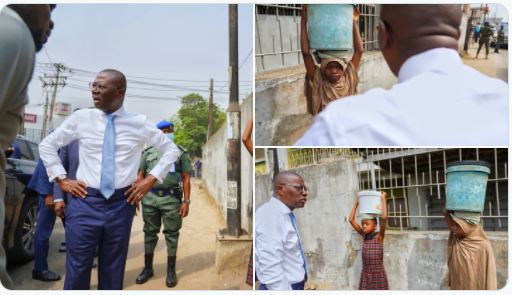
[(368, 20)]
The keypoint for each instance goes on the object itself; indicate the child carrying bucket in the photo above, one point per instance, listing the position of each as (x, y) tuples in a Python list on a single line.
[(373, 274), (335, 77), (471, 262)]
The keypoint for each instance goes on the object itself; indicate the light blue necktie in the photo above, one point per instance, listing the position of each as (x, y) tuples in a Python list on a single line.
[(305, 265), (108, 162)]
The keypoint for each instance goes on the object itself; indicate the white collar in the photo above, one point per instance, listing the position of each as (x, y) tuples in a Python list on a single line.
[(280, 205), (433, 59), (119, 112)]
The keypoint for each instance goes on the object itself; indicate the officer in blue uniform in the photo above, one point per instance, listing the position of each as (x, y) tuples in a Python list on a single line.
[(45, 222)]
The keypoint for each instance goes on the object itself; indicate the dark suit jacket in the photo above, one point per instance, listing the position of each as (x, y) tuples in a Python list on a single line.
[(69, 158), (39, 181)]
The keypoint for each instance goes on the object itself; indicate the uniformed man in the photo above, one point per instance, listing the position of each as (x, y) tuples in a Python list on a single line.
[(485, 38), (167, 202)]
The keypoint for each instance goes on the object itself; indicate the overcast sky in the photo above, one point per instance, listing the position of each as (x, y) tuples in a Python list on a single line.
[(166, 51)]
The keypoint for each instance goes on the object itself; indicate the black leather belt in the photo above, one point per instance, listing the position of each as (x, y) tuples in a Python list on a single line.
[(167, 191)]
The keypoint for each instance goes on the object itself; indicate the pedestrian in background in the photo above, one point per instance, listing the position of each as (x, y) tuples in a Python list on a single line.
[(485, 39)]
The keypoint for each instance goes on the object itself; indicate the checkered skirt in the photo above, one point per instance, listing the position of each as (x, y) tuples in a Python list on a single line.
[(373, 275)]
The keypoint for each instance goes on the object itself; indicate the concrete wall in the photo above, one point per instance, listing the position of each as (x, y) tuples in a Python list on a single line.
[(414, 260), (417, 260), (281, 113), (215, 169)]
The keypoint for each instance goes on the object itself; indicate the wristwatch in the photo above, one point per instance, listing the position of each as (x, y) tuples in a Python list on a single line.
[(186, 201), (61, 178)]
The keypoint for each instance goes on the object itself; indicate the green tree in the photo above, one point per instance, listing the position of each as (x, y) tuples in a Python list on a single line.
[(191, 123)]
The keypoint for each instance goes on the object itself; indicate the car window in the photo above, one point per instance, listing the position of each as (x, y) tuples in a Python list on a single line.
[(35, 150), (25, 153)]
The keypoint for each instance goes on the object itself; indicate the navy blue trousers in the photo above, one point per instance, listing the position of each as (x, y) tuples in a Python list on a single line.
[(45, 223), (95, 222), (296, 286)]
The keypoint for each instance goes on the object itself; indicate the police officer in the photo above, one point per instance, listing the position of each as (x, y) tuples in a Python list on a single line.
[(167, 202), (485, 38)]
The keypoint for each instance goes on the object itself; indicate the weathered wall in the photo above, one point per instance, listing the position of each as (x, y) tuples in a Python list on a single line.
[(281, 113), (215, 168), (417, 260), (414, 260)]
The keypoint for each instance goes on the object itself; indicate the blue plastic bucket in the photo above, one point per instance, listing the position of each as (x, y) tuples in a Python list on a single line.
[(330, 26), (370, 202), (466, 182)]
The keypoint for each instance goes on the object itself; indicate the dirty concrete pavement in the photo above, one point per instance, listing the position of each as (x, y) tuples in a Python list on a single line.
[(496, 66), (194, 266)]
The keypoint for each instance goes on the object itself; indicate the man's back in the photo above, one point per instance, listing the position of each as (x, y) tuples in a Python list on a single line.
[(438, 101), (485, 33)]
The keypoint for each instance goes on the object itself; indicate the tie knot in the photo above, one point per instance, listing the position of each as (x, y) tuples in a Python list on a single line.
[(111, 116)]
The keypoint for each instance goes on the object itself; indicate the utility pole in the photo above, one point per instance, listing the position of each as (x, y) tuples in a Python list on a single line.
[(59, 68), (45, 117), (210, 112), (468, 32), (51, 81), (233, 131)]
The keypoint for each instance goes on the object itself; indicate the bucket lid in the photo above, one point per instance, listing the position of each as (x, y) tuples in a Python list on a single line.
[(475, 166), (477, 163)]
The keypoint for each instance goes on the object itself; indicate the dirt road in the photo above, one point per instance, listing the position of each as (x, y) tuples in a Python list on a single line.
[(496, 66)]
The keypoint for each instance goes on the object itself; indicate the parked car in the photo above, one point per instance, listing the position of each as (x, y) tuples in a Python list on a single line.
[(21, 203)]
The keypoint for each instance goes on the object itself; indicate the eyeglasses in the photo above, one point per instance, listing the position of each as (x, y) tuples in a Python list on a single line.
[(100, 87), (300, 188)]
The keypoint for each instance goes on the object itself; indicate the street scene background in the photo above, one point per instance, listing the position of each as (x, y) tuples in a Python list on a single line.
[(177, 61)]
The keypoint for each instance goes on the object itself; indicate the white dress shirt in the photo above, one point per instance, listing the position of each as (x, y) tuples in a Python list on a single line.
[(438, 101), (133, 131), (278, 258)]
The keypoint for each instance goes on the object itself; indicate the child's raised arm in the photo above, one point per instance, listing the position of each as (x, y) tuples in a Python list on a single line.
[(384, 216), (352, 218)]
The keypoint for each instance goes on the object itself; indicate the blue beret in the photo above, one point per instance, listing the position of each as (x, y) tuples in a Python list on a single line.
[(164, 124)]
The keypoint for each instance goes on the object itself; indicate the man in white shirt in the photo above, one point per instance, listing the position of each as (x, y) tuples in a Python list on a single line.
[(279, 255), (100, 216), (438, 101), (24, 29)]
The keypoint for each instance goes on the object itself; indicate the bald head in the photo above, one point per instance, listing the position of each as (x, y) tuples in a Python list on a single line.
[(407, 30), (284, 177), (289, 187), (116, 77)]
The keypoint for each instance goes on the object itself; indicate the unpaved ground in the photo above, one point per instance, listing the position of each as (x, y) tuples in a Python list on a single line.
[(196, 255), (496, 66)]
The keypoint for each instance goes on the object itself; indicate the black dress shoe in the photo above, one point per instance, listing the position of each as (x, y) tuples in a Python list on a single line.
[(45, 276)]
